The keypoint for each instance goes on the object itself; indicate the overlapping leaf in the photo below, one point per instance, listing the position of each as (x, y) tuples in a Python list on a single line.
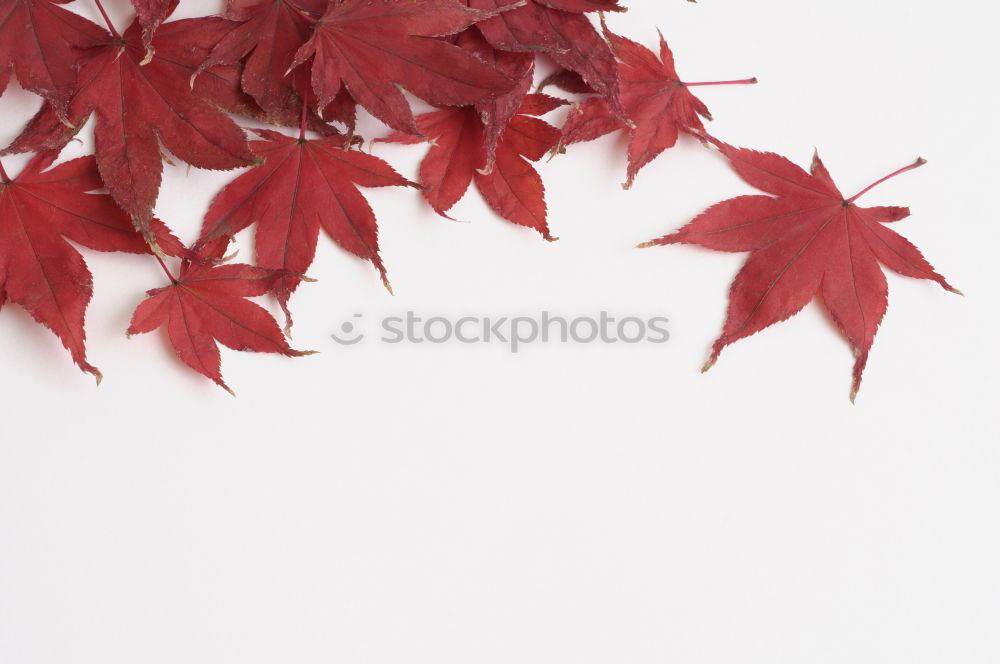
[(371, 48), (138, 107), (39, 270), (460, 152), (302, 186), (267, 33), (660, 105), (560, 29)]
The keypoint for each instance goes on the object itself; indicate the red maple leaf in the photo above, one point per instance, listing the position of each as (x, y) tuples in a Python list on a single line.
[(138, 107), (560, 29), (42, 43), (806, 239), (39, 269), (301, 187), (269, 32), (372, 47), (658, 103), (206, 305), (459, 153)]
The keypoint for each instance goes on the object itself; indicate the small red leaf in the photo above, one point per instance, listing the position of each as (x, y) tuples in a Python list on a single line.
[(206, 307)]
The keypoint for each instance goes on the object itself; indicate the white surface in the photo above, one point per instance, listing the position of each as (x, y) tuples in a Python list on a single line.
[(585, 504)]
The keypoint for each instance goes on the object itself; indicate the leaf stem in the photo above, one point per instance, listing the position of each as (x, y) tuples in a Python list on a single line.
[(743, 81), (302, 120), (166, 270), (917, 164), (107, 19), (4, 178)]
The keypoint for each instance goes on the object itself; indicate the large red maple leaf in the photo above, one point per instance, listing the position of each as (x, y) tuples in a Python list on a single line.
[(206, 305), (42, 43), (301, 187), (138, 107), (459, 152), (561, 29), (270, 32), (806, 239), (659, 104), (372, 47), (39, 270)]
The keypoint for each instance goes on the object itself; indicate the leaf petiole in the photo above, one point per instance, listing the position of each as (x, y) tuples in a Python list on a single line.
[(107, 20), (742, 81), (166, 270), (302, 120), (917, 164)]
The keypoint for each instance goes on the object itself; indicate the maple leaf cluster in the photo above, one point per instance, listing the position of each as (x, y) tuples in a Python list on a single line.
[(304, 67)]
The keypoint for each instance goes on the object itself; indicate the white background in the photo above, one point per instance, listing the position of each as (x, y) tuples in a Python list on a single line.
[(585, 504)]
